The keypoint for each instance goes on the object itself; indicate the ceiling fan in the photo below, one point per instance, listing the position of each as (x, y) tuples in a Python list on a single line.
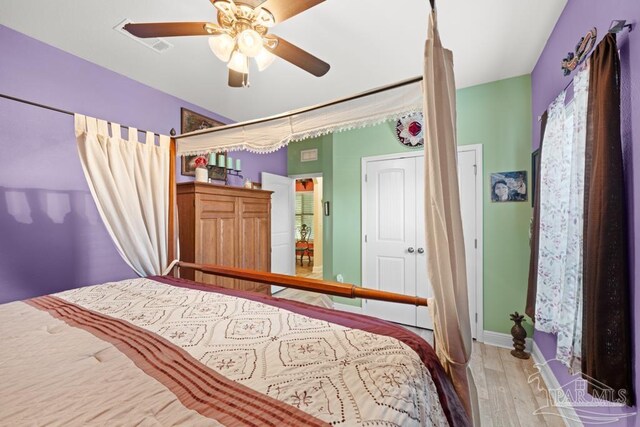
[(242, 32)]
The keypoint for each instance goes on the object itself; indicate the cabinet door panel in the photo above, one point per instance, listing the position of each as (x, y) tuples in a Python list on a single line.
[(255, 245), (254, 208), (217, 245)]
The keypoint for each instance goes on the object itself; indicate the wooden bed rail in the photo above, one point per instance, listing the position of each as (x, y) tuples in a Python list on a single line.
[(305, 284)]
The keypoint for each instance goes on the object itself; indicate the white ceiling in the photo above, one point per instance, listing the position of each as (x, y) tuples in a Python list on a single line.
[(369, 43)]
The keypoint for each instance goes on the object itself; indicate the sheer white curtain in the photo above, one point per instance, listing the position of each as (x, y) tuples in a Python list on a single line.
[(269, 136), (559, 289), (129, 181), (443, 221)]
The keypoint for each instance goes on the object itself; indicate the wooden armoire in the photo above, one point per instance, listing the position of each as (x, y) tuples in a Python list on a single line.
[(227, 226)]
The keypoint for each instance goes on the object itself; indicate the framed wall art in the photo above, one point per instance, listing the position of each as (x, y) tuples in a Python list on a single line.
[(190, 121), (509, 186), (535, 170)]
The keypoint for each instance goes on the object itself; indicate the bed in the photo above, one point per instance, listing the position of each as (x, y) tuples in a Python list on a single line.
[(167, 351)]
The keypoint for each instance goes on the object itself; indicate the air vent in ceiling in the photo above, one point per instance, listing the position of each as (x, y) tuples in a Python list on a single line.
[(156, 44)]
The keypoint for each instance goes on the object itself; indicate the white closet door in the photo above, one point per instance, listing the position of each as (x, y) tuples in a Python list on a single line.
[(393, 221), (423, 285), (467, 182), (391, 236), (283, 203)]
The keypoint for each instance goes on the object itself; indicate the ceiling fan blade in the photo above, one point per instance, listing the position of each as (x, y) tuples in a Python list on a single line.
[(285, 9), (168, 29), (236, 79), (298, 57)]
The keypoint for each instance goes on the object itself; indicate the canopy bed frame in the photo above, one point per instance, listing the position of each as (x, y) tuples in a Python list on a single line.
[(389, 100), (78, 311), (302, 283), (203, 343), (434, 95)]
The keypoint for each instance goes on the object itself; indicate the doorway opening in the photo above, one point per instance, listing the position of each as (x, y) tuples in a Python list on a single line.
[(308, 227)]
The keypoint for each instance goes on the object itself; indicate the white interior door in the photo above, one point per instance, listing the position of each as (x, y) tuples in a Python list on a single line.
[(467, 181), (283, 203), (390, 236), (393, 208), (423, 285)]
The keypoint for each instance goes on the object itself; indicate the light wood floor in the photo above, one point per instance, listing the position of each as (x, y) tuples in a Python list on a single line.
[(307, 271), (506, 398), (312, 298)]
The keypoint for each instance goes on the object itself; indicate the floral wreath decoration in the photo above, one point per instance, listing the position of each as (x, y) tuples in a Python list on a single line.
[(410, 130)]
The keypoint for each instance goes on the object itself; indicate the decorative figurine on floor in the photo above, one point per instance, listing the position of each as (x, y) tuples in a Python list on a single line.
[(519, 334)]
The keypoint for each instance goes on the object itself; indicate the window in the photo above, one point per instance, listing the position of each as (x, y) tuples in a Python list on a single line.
[(304, 212)]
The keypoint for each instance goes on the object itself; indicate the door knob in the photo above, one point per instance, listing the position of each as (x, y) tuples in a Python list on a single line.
[(420, 250), (411, 250)]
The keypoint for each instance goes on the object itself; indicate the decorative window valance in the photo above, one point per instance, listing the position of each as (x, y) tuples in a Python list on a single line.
[(270, 134)]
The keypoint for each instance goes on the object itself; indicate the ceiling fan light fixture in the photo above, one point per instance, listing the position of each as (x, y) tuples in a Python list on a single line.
[(264, 17), (222, 46), (227, 8), (264, 59), (239, 63), (250, 42), (240, 32), (213, 29)]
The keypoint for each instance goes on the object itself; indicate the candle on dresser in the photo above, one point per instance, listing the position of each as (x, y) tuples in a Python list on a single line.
[(221, 161), (238, 165), (202, 175), (229, 162)]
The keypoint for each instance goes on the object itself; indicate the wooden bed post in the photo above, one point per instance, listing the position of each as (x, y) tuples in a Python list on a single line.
[(172, 237)]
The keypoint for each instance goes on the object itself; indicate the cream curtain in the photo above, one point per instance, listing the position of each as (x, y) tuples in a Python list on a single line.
[(379, 106), (129, 182), (446, 257)]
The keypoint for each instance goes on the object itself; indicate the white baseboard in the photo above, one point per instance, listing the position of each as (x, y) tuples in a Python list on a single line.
[(348, 308), (568, 414), (498, 339)]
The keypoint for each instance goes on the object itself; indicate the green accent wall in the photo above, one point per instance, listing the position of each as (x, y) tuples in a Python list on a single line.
[(324, 165), (296, 167), (496, 115), (348, 150)]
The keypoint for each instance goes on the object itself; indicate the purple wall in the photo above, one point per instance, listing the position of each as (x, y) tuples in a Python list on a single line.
[(547, 82), (51, 236), (252, 166)]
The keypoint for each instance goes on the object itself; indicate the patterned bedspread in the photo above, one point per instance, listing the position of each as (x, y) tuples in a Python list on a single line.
[(164, 351)]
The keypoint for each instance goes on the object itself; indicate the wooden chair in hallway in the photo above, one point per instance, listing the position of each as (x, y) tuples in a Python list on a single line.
[(303, 246)]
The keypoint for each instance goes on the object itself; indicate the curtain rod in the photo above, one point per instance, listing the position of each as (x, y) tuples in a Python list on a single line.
[(614, 29), (301, 110), (59, 110)]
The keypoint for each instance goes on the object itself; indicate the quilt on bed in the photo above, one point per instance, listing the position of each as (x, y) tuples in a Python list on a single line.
[(165, 351)]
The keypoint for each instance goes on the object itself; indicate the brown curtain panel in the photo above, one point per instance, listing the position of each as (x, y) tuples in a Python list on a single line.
[(530, 308), (606, 340)]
